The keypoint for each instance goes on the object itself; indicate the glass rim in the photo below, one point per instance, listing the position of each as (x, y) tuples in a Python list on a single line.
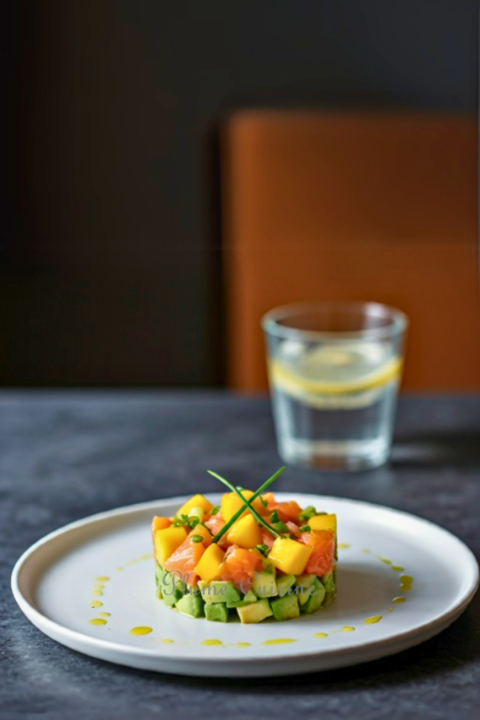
[(398, 321)]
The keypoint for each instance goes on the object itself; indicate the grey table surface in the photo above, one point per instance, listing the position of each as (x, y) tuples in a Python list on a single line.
[(65, 455)]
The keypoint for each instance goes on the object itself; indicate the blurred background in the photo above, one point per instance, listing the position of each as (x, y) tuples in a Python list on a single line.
[(173, 170)]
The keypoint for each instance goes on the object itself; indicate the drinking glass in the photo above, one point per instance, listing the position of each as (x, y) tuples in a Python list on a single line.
[(334, 371)]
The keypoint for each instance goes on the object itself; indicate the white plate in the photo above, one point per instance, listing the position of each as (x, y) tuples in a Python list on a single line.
[(54, 584)]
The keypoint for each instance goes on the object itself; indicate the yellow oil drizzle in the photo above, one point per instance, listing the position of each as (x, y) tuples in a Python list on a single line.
[(167, 641), (145, 556), (242, 644), (97, 592), (97, 621), (389, 609), (397, 568), (384, 560), (96, 604), (372, 620), (399, 599), (279, 641), (104, 614), (141, 630), (102, 578), (406, 583), (212, 642), (347, 628), (321, 635), (119, 569), (99, 586), (366, 551), (343, 546)]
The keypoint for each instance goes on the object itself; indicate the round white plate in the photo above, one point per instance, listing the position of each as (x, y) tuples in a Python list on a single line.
[(58, 578)]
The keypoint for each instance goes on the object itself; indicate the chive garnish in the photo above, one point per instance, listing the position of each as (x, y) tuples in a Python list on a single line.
[(262, 549), (274, 517), (248, 504), (264, 502), (306, 514), (305, 528), (197, 538), (258, 492), (215, 510)]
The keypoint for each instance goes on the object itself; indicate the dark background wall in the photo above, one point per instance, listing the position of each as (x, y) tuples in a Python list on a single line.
[(110, 242)]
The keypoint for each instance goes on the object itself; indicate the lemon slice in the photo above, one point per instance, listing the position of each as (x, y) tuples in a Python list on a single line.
[(291, 382)]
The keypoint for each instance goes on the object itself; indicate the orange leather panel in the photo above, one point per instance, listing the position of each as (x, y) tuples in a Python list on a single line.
[(358, 207)]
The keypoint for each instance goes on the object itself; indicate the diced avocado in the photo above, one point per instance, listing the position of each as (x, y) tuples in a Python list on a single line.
[(172, 589), (304, 581), (159, 573), (219, 591), (254, 612), (285, 608), (285, 583), (247, 599), (330, 585), (191, 605), (217, 612), (317, 595), (264, 584)]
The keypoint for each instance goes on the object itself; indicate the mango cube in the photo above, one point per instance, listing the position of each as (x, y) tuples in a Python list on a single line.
[(167, 541), (245, 533), (323, 522), (197, 501), (209, 566), (160, 523), (231, 504), (290, 556)]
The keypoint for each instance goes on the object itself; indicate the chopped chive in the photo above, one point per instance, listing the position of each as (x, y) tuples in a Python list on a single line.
[(258, 492), (248, 504), (262, 549), (306, 514), (264, 502), (280, 527), (197, 538), (305, 528), (193, 522), (274, 517), (215, 510)]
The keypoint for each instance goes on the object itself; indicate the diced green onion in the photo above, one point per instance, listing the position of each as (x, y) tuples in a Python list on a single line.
[(197, 538)]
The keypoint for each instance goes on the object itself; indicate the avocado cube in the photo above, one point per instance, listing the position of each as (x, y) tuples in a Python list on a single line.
[(191, 605), (247, 599), (264, 584), (159, 573), (329, 583), (172, 589), (317, 595), (254, 612), (285, 584), (217, 612), (305, 581), (219, 591), (285, 608)]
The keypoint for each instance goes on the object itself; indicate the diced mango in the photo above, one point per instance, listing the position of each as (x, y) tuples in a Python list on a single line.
[(245, 533), (195, 501), (209, 566), (289, 556), (160, 523), (323, 522), (167, 541), (231, 504)]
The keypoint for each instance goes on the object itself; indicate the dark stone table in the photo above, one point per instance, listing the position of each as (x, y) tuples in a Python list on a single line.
[(67, 455)]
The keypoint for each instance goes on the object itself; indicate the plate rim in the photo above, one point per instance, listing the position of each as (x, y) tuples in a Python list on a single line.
[(409, 638)]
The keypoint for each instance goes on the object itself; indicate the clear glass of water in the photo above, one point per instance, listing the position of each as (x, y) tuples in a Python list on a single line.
[(334, 371)]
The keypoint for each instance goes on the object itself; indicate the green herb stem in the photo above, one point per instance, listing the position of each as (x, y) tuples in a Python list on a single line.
[(248, 504), (258, 492)]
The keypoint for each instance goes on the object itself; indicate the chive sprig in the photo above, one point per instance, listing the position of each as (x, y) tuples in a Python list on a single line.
[(247, 503)]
